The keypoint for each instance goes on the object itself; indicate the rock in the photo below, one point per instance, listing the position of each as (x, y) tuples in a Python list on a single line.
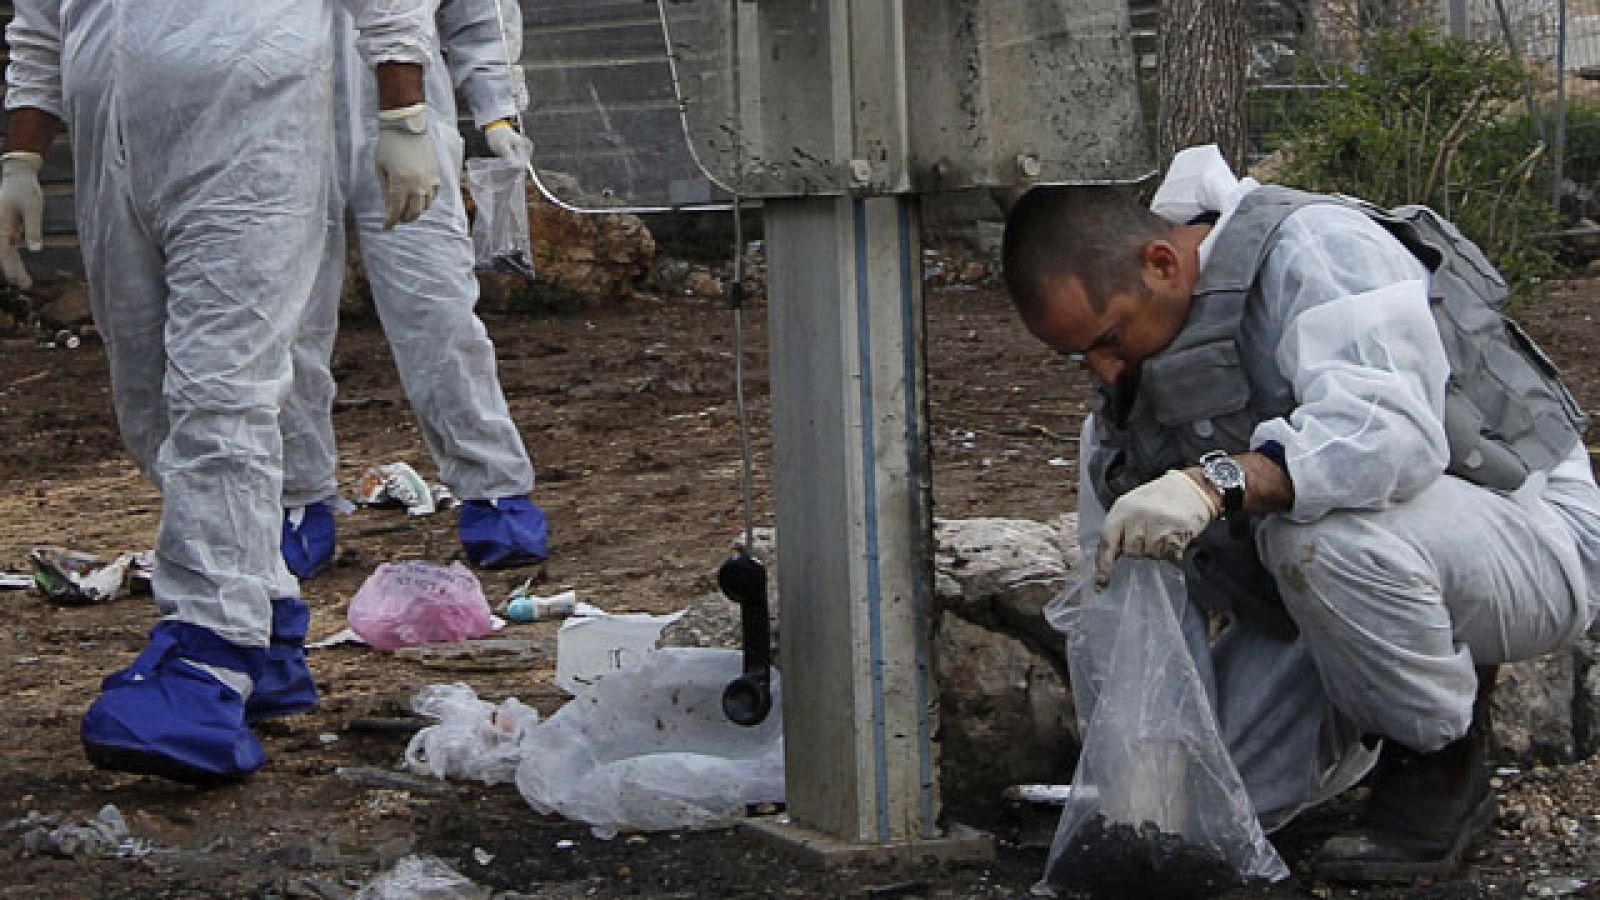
[(1006, 717), (67, 309), (1586, 702), (600, 256), (702, 284), (1532, 711), (1006, 711), (1000, 573)]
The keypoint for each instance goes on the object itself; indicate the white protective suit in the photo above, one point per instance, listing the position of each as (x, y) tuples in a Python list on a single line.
[(1400, 577), (422, 282), (201, 137)]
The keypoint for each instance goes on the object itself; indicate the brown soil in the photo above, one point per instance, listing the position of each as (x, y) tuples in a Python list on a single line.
[(629, 413)]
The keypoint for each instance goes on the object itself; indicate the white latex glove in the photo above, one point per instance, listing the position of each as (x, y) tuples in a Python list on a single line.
[(506, 143), (21, 213), (1156, 520), (408, 168)]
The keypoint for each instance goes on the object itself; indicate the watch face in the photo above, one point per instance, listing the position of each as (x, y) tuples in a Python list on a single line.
[(1225, 473)]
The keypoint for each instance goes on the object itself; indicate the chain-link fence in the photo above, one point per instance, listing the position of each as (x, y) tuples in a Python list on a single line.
[(1298, 47)]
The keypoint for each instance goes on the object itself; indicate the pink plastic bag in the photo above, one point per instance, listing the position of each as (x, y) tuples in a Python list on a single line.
[(407, 603)]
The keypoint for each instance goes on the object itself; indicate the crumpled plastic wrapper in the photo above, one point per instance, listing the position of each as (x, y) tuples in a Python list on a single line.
[(70, 578), (397, 484)]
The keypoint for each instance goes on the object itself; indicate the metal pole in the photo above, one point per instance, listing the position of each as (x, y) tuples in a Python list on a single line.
[(1559, 151), (1459, 25)]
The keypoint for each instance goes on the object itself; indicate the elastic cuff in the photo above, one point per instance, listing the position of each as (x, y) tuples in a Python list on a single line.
[(497, 123), (25, 156), (1200, 491), (401, 112), (411, 119)]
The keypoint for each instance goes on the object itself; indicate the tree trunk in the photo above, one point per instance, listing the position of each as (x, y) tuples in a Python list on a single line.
[(1200, 76)]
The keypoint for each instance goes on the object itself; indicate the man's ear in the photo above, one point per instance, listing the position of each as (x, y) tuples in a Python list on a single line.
[(1159, 263)]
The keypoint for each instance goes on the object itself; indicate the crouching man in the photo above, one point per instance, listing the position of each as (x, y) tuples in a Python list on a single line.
[(1315, 409)]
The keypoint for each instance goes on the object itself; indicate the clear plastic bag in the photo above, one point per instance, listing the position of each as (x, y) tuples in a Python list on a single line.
[(421, 877), (408, 603), (1157, 807), (475, 739), (648, 748), (500, 239)]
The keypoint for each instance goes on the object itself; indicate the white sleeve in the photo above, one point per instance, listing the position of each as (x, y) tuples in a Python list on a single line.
[(469, 31), (33, 79), (1360, 347), (393, 30)]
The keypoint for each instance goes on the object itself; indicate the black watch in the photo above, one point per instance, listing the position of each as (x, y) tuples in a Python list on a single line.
[(1227, 476)]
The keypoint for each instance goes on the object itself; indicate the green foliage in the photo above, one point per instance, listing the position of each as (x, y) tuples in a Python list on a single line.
[(1435, 120), (544, 298)]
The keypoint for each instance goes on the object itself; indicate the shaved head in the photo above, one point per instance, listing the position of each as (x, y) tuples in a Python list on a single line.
[(1094, 234)]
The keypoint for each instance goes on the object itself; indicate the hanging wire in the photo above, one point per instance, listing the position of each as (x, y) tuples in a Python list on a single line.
[(550, 195), (736, 292)]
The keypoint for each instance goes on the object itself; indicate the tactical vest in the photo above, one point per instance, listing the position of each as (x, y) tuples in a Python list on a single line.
[(1506, 411)]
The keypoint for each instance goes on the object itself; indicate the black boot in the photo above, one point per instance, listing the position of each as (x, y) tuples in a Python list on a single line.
[(1424, 811)]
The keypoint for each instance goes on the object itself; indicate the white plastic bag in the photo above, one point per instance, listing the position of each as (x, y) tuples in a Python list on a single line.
[(475, 739), (648, 749), (500, 239), (1157, 807)]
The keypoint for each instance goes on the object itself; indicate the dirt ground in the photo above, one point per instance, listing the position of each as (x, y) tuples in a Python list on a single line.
[(629, 413)]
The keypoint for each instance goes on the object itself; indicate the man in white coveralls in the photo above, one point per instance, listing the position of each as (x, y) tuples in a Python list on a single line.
[(1315, 409), (202, 137)]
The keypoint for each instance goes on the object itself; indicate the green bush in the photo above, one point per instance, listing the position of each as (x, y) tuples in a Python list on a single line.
[(1435, 120)]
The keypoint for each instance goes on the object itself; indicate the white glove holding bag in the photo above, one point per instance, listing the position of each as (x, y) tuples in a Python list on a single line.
[(506, 143), (408, 167), (1157, 520), (21, 213)]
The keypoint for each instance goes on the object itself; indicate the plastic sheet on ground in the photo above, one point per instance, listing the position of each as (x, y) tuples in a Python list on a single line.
[(474, 739), (648, 749), (1156, 807), (594, 643)]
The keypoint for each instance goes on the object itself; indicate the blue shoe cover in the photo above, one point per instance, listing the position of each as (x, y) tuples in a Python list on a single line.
[(511, 531), (285, 686), (308, 547), (163, 716)]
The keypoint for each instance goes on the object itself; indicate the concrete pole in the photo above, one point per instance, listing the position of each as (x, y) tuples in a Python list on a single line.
[(852, 489)]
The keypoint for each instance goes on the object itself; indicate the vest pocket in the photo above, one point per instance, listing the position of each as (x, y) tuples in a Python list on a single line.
[(1195, 385)]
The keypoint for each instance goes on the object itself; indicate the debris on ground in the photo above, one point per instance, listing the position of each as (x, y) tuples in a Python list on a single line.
[(474, 739), (525, 606), (420, 877), (397, 484), (390, 780), (72, 578), (104, 836), (480, 655)]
